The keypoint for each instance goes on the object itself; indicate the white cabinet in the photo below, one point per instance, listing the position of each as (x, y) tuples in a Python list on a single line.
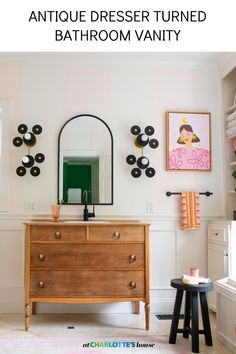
[(218, 254)]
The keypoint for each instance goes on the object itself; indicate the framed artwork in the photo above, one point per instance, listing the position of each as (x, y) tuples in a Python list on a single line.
[(188, 141)]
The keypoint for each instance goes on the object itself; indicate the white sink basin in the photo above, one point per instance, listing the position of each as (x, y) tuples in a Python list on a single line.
[(86, 222)]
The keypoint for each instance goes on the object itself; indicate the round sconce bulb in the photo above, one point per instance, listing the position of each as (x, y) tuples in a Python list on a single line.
[(29, 139), (142, 140), (27, 136), (144, 137), (143, 162), (27, 161)]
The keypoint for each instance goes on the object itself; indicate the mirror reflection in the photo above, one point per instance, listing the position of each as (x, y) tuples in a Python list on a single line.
[(85, 156)]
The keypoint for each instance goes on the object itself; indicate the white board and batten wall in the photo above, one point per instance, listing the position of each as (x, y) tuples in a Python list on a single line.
[(123, 89)]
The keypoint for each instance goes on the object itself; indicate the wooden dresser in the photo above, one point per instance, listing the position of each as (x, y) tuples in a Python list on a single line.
[(86, 263)]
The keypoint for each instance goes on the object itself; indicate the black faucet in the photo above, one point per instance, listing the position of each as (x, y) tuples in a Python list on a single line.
[(86, 212)]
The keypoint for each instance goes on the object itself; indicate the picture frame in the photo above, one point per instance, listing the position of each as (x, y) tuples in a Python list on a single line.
[(188, 141)]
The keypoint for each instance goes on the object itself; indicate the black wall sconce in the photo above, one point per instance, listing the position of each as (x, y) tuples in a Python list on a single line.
[(29, 139), (141, 141)]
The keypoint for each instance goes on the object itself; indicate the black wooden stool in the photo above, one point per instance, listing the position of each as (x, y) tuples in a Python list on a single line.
[(191, 303)]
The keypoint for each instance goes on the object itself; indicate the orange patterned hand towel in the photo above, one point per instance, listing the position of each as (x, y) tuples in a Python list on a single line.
[(190, 219)]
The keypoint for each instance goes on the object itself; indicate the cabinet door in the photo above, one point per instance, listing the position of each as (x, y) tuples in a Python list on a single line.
[(217, 268), (217, 262)]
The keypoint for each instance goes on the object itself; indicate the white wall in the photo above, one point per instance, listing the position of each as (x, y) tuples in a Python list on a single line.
[(122, 89)]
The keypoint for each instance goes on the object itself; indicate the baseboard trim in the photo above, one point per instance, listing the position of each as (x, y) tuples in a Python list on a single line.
[(226, 341)]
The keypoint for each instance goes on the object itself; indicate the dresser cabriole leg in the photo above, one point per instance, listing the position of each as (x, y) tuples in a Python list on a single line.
[(33, 308), (147, 311), (27, 314)]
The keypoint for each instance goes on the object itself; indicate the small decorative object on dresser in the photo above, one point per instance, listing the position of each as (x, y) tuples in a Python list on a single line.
[(56, 211), (86, 263)]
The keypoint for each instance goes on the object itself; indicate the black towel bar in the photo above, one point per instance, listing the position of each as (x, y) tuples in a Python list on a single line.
[(207, 194)]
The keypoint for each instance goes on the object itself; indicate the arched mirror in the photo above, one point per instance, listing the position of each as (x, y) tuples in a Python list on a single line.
[(85, 161)]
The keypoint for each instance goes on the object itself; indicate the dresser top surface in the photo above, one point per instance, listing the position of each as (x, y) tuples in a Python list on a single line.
[(86, 223)]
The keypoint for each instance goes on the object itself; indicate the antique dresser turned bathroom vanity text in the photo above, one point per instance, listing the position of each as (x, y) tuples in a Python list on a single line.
[(68, 262)]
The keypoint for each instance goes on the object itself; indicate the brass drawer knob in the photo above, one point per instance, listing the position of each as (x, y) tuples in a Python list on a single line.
[(41, 284), (132, 258), (42, 257), (132, 285), (116, 236), (58, 235)]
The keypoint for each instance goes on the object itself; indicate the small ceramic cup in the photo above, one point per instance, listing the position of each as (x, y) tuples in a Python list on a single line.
[(56, 211), (194, 272)]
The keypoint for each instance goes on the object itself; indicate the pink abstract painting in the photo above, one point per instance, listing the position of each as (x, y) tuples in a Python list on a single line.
[(188, 141)]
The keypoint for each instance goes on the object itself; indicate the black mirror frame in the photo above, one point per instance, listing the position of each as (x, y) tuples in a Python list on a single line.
[(58, 160)]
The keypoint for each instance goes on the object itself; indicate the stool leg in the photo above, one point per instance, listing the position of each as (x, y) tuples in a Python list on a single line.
[(175, 318), (205, 319), (187, 315), (195, 329)]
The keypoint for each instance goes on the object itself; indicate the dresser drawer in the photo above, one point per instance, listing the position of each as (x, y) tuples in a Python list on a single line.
[(86, 283), (58, 233), (87, 256), (116, 233)]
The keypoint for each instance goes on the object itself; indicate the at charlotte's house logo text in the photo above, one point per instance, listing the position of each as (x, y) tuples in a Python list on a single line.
[(117, 345)]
